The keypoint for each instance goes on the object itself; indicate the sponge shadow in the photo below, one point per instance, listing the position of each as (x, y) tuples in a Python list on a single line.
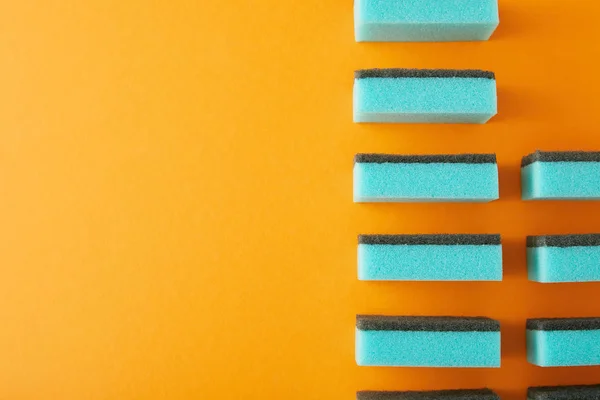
[(510, 182), (512, 21), (432, 378), (514, 260), (580, 214), (516, 104), (513, 340), (539, 376)]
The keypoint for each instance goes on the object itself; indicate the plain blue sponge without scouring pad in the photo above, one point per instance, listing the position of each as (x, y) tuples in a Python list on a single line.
[(470, 342), (564, 258), (567, 175), (563, 342), (424, 178), (424, 96), (429, 257), (424, 20)]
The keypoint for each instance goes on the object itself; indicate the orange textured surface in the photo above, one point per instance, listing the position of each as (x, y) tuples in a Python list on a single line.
[(176, 196)]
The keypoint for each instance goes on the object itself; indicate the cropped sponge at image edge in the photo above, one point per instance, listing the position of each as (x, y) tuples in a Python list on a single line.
[(564, 258), (561, 175), (424, 21), (563, 342)]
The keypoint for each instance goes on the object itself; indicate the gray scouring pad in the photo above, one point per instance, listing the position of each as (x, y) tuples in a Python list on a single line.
[(563, 324), (422, 73), (427, 324), (464, 394), (374, 158), (591, 239), (578, 392), (434, 239), (561, 156)]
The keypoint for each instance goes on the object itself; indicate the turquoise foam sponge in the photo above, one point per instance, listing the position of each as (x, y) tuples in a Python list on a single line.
[(561, 175), (438, 257), (424, 20), (563, 342), (575, 392), (424, 96), (460, 394), (425, 178), (409, 341), (564, 258)]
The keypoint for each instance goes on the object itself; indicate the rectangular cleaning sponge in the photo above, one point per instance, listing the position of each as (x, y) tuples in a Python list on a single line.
[(564, 258), (561, 175), (563, 342), (440, 257), (424, 20), (578, 392), (424, 178), (427, 341), (424, 96), (461, 394)]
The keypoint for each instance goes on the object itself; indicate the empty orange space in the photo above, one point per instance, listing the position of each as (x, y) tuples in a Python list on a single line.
[(176, 196)]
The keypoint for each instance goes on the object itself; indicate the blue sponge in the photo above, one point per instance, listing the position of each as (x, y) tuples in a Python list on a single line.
[(563, 342), (564, 258), (427, 341), (424, 96), (568, 175), (461, 394), (401, 178), (424, 20), (578, 392), (429, 258)]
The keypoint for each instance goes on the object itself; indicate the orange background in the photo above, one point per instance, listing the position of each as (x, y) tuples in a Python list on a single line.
[(176, 196)]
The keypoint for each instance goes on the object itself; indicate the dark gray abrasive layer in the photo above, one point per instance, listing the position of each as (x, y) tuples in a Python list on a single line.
[(437, 239), (564, 156), (588, 239), (579, 392), (464, 394), (563, 324), (426, 324), (422, 73), (425, 159)]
